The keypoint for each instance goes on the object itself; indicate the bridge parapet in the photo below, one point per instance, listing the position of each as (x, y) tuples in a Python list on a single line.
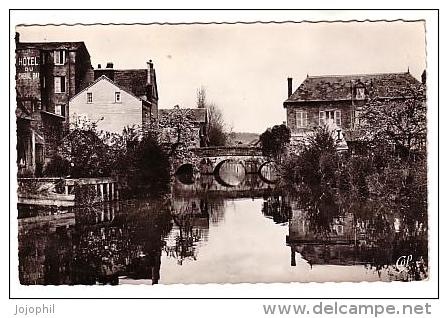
[(227, 151)]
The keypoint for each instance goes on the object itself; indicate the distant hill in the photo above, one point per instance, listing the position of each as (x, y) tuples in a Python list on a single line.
[(242, 138)]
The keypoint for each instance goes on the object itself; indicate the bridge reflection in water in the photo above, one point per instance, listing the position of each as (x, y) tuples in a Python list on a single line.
[(209, 232), (230, 173)]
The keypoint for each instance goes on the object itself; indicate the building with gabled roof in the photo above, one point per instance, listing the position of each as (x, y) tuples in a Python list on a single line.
[(111, 107), (142, 83), (336, 100)]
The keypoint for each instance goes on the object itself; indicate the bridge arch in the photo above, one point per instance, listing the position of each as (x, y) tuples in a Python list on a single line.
[(268, 172), (230, 172), (185, 173)]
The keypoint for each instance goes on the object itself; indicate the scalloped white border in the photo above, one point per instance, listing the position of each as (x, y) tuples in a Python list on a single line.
[(427, 289)]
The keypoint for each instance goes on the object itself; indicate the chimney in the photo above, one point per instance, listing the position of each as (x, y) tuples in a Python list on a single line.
[(289, 86), (108, 71), (424, 77), (150, 67)]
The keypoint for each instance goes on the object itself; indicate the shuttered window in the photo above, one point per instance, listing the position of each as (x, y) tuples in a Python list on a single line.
[(301, 118), (321, 118), (325, 117), (337, 116)]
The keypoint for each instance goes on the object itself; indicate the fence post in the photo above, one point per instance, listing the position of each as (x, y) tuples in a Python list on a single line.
[(102, 192)]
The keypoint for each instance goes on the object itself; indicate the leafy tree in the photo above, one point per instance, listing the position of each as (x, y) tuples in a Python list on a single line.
[(179, 127), (316, 164), (57, 167), (136, 160), (87, 153), (274, 141), (144, 170), (399, 121)]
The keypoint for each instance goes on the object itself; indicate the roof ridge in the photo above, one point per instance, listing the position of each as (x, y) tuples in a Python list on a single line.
[(24, 42), (125, 69), (360, 74), (109, 80)]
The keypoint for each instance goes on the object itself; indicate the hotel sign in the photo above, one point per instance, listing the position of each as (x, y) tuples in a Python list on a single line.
[(28, 64)]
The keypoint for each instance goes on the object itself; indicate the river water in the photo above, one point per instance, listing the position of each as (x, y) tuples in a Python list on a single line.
[(212, 232)]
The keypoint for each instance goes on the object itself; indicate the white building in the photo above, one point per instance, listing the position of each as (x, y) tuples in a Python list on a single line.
[(110, 106)]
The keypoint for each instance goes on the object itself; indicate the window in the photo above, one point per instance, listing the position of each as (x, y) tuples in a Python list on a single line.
[(89, 97), (301, 118), (59, 84), (360, 93), (59, 57), (59, 110), (338, 120), (330, 116), (117, 97)]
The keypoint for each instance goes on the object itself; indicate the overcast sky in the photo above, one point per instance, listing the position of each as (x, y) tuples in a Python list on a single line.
[(244, 67)]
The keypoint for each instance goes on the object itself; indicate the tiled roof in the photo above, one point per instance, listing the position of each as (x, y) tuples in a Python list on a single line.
[(104, 77), (341, 87), (51, 45), (134, 81), (198, 115)]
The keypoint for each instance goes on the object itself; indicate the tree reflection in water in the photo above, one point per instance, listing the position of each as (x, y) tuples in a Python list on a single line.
[(103, 243), (327, 227)]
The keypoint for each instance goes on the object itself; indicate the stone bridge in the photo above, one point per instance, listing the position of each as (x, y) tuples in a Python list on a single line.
[(209, 160)]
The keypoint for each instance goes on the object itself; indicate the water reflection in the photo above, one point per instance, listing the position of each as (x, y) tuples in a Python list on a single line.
[(326, 230), (207, 232)]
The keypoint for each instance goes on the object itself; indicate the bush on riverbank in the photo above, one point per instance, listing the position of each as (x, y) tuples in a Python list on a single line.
[(144, 169), (399, 181), (136, 160)]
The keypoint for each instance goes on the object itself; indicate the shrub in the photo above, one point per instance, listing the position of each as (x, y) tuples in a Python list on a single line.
[(145, 170), (57, 167)]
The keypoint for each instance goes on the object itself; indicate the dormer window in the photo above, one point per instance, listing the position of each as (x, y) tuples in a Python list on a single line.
[(360, 92), (59, 57)]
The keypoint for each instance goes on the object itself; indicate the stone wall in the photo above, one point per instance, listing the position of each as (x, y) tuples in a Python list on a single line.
[(313, 109)]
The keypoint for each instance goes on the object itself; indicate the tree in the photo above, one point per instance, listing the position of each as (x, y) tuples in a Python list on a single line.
[(178, 127), (274, 141), (399, 121), (316, 164), (216, 131), (144, 169), (201, 97), (87, 152)]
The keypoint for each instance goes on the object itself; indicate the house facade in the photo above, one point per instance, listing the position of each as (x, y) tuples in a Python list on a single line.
[(48, 74), (110, 106), (142, 83), (336, 101)]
